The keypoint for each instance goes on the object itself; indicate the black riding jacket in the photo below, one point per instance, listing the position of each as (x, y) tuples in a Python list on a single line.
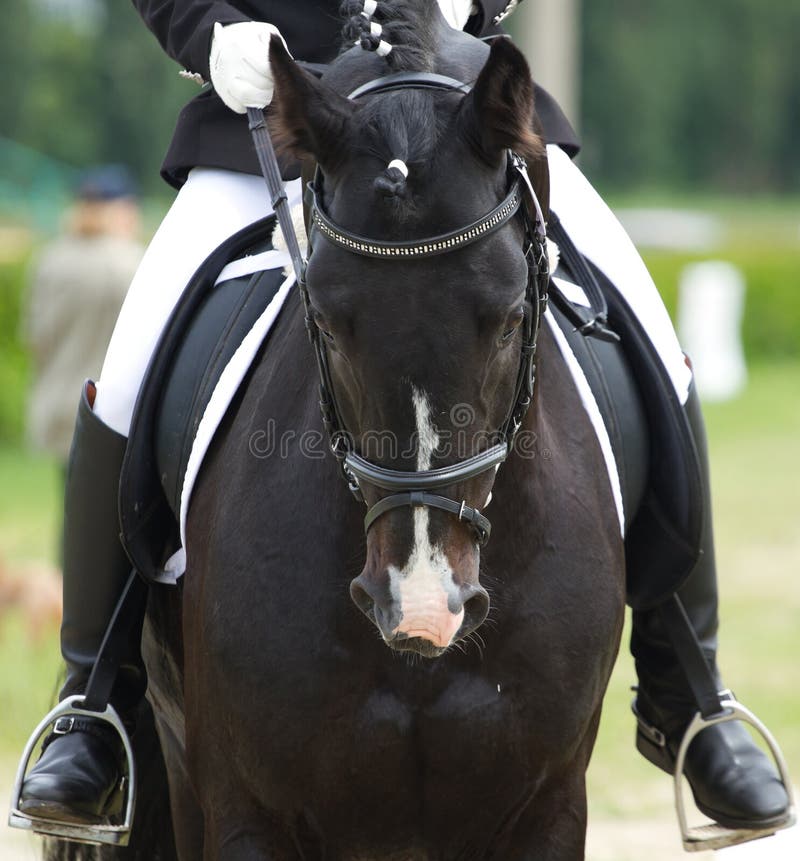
[(208, 133)]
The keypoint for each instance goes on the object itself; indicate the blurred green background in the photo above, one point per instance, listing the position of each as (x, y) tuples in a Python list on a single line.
[(689, 107)]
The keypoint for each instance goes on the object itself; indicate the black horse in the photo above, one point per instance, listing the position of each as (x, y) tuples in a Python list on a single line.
[(413, 695)]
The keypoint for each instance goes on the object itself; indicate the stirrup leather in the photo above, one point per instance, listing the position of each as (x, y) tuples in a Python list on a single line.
[(715, 836), (115, 835)]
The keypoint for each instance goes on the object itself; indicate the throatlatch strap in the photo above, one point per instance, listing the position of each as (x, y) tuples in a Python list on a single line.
[(690, 656)]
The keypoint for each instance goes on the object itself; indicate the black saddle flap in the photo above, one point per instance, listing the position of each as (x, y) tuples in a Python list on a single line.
[(194, 346), (225, 316), (662, 544), (663, 506)]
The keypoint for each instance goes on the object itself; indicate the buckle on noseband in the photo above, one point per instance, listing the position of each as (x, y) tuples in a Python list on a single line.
[(480, 525), (413, 487)]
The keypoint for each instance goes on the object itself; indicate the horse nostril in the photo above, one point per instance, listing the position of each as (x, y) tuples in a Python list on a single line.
[(476, 609), (362, 599), (381, 612)]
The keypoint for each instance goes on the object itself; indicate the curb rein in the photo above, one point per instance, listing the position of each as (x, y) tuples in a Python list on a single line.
[(412, 488)]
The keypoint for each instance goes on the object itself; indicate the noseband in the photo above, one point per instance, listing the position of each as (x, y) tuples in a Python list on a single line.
[(412, 488)]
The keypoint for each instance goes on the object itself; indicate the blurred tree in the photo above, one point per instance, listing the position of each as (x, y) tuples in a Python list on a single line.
[(16, 46), (679, 93), (142, 89), (675, 93), (86, 83)]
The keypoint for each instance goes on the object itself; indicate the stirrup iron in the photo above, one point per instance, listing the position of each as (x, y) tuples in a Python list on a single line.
[(715, 836), (115, 835)]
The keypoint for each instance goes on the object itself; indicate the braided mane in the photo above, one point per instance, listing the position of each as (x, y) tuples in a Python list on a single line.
[(402, 126), (401, 31), (404, 138)]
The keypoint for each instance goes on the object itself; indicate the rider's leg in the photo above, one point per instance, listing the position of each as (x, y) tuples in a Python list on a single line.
[(210, 207), (78, 771), (733, 782), (732, 779)]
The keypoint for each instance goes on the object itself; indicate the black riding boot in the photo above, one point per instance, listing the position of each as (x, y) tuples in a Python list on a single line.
[(78, 774), (733, 782)]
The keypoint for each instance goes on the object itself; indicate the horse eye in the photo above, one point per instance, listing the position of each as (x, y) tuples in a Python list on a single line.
[(512, 324), (322, 324)]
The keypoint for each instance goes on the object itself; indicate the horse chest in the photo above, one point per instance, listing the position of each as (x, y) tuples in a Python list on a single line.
[(469, 714), (419, 730), (397, 757)]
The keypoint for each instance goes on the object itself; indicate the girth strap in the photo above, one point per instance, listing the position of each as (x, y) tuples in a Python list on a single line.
[(471, 516)]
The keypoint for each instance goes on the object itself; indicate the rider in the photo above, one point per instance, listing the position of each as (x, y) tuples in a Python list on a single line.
[(212, 164)]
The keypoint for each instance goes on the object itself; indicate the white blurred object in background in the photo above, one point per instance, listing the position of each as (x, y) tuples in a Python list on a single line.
[(549, 34), (671, 229), (710, 309)]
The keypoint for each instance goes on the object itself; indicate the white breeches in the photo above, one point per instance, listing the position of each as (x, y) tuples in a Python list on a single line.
[(211, 206), (599, 236), (214, 204)]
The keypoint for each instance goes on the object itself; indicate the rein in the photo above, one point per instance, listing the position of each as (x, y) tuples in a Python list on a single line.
[(411, 487)]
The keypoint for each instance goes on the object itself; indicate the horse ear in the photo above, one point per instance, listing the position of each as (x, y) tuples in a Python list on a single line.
[(498, 114), (307, 119)]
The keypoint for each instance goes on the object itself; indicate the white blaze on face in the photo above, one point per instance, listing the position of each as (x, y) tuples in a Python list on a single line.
[(424, 586), (427, 438)]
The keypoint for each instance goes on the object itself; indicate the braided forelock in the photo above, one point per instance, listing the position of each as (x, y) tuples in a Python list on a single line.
[(400, 126)]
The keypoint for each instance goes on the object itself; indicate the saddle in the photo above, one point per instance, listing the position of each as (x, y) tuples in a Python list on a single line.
[(658, 465), (651, 442), (202, 334)]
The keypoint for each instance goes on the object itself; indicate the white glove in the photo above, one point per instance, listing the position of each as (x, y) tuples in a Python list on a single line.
[(456, 12), (239, 64)]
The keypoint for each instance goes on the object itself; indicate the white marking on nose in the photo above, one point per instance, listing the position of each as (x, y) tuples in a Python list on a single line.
[(427, 438), (425, 586)]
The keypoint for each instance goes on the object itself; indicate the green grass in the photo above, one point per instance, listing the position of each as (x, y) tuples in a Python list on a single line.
[(755, 444), (30, 506), (29, 527), (29, 681)]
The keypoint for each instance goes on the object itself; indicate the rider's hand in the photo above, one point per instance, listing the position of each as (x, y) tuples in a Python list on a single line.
[(239, 64)]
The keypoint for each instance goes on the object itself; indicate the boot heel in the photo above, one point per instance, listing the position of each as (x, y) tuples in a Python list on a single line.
[(655, 753), (652, 743)]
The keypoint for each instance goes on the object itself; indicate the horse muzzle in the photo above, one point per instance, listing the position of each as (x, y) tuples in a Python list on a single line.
[(424, 619)]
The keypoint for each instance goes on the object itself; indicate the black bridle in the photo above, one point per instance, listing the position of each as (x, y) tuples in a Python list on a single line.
[(412, 488)]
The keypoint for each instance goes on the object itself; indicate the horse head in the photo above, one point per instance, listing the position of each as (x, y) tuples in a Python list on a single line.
[(418, 294)]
